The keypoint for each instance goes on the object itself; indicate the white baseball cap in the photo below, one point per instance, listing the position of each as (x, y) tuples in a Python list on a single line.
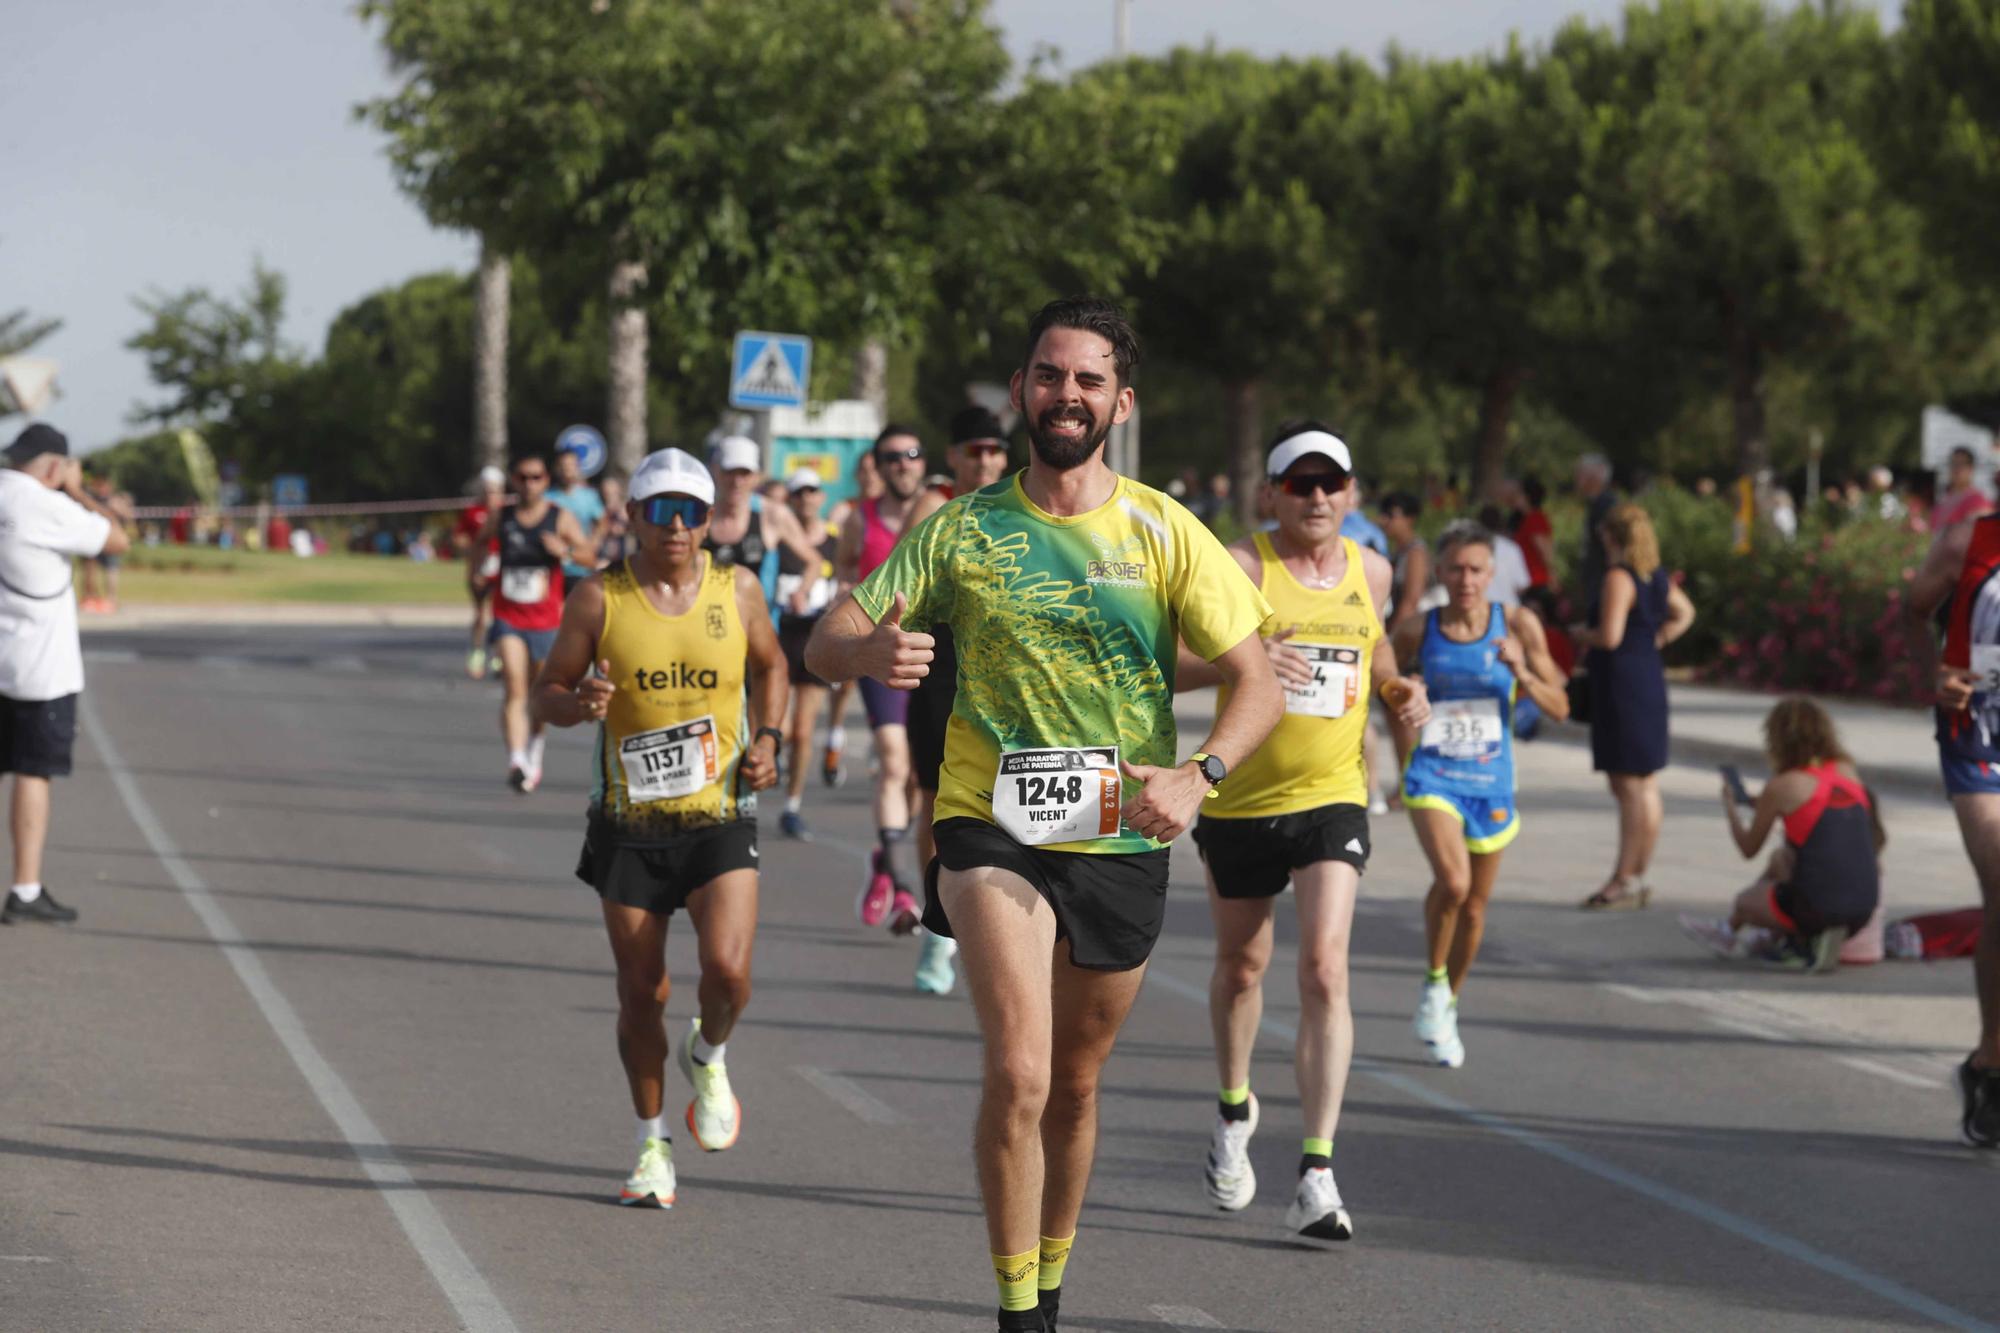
[(803, 478), (738, 453), (671, 472), (1292, 449), (492, 477)]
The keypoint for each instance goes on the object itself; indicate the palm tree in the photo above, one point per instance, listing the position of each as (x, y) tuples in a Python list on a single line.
[(489, 359)]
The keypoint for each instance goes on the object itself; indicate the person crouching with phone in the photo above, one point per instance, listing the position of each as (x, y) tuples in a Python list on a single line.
[(1824, 882)]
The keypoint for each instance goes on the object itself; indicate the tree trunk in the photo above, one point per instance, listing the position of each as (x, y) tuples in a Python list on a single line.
[(1746, 393), (1496, 418), (871, 376), (489, 360), (1243, 433), (625, 414)]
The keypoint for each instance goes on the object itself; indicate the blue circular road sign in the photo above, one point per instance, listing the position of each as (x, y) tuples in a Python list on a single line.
[(587, 445)]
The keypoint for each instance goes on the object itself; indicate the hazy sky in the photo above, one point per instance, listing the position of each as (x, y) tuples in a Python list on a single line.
[(160, 144)]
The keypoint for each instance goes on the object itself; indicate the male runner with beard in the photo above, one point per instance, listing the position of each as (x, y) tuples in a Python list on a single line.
[(1065, 588)]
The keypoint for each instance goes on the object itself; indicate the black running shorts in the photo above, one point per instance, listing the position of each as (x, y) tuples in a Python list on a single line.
[(1254, 858), (659, 877), (1109, 907), (36, 736), (793, 631), (930, 710)]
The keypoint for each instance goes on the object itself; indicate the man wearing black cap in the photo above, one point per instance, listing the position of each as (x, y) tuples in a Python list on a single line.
[(46, 518), (978, 458)]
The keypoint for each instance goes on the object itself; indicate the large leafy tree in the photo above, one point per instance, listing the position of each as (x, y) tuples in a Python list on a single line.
[(734, 162), (1759, 226), (1946, 145)]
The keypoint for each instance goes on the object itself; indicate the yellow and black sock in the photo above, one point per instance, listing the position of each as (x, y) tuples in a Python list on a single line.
[(1235, 1103), (1316, 1153), (1017, 1274), (1055, 1258)]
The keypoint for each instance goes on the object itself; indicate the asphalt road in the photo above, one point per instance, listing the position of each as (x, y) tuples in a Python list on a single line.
[(332, 1048)]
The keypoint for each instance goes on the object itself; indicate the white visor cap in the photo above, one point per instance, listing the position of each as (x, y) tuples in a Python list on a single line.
[(1309, 442), (671, 472), (738, 453)]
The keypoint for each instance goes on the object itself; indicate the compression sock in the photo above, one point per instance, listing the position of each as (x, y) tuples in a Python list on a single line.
[(895, 852), (1435, 976), (1017, 1275), (1235, 1103), (705, 1054), (655, 1128), (27, 893), (1317, 1153), (1055, 1258)]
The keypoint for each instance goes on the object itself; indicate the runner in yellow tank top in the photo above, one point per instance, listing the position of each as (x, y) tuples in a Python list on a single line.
[(673, 807), (1297, 810)]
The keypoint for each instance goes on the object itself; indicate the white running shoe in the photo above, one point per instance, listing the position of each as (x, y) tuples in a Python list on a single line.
[(1316, 1209), (1437, 1025), (714, 1117), (1232, 1182), (652, 1182)]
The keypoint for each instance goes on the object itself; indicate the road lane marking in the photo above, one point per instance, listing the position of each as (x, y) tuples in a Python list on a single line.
[(850, 1094), (25, 1259), (1867, 1066), (479, 1310), (1679, 1200), (1185, 1316)]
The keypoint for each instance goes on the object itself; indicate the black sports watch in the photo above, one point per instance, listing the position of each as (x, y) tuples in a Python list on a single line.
[(1211, 768), (777, 737)]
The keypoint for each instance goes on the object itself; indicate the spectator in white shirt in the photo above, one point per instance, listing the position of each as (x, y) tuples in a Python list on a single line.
[(46, 519), (1510, 564)]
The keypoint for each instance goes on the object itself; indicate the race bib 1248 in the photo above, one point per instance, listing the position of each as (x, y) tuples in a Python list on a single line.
[(1058, 795)]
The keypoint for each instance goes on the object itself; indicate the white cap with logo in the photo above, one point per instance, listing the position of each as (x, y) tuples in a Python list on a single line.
[(1293, 448), (671, 472), (738, 453), (804, 479)]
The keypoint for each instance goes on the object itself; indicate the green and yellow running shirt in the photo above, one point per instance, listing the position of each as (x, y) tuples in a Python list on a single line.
[(1066, 631)]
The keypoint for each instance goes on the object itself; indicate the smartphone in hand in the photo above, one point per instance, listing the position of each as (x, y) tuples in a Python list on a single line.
[(1734, 777)]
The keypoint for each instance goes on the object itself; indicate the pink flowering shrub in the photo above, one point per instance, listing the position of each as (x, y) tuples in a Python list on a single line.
[(1824, 614)]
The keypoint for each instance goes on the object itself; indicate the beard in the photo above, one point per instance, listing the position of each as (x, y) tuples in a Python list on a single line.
[(1063, 454)]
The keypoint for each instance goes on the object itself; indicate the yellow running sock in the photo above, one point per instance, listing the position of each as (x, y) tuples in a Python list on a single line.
[(1055, 1258), (1017, 1274), (1434, 975)]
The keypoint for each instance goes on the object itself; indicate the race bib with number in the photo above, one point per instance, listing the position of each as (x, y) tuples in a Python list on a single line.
[(1463, 728), (1058, 795), (524, 585), (1336, 681), (671, 762), (1986, 668)]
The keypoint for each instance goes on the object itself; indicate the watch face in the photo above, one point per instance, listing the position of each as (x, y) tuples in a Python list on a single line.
[(1213, 769)]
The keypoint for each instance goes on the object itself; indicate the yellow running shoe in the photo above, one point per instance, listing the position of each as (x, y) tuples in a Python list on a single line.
[(714, 1117), (652, 1182)]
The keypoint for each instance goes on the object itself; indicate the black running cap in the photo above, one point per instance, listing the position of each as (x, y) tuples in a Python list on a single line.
[(36, 440)]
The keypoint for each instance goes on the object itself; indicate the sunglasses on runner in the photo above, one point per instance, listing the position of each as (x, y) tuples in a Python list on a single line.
[(662, 510), (983, 447), (1304, 486), (910, 455)]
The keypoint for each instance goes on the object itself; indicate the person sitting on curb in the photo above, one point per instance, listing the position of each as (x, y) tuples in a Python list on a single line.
[(1825, 882)]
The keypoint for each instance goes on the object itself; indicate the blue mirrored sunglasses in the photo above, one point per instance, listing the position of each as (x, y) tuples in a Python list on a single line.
[(662, 510)]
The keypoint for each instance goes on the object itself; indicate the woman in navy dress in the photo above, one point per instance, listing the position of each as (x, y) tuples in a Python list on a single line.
[(1639, 610)]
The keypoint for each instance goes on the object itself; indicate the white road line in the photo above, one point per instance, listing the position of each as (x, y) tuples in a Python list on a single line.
[(1679, 1200), (25, 1259), (851, 1095), (1185, 1316), (1867, 1066), (479, 1310), (1748, 1029)]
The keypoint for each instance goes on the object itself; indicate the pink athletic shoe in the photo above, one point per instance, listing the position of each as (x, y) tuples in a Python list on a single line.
[(873, 906), (905, 914)]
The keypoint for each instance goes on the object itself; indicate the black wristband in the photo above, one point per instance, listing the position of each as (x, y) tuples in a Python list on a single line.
[(777, 737)]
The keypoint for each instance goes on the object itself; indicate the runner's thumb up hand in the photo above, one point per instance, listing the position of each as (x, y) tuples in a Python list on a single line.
[(893, 617), (1136, 772)]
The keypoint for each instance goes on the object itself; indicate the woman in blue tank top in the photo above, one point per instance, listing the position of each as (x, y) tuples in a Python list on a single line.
[(1476, 657)]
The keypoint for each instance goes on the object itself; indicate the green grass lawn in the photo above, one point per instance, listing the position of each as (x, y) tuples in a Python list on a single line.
[(186, 575)]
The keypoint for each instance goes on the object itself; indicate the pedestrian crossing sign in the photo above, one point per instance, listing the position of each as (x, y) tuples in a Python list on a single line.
[(770, 370)]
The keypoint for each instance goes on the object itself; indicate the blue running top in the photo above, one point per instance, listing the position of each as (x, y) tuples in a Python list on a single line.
[(1468, 745)]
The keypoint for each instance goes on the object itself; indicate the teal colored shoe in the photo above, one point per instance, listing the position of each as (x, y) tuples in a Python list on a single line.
[(936, 973)]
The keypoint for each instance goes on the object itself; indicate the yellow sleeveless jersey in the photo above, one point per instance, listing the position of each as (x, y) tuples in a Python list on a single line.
[(671, 744), (1315, 755)]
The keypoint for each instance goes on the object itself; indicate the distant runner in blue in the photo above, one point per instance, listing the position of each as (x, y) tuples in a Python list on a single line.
[(581, 499)]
